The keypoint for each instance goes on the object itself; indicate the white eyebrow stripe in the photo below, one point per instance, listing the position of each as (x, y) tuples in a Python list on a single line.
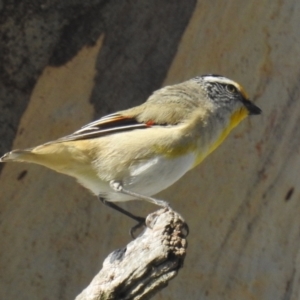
[(224, 80), (219, 79)]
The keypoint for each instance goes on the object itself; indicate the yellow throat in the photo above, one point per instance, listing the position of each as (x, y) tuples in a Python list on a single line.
[(235, 119)]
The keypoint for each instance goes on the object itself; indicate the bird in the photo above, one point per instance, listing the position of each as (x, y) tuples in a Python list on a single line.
[(137, 152)]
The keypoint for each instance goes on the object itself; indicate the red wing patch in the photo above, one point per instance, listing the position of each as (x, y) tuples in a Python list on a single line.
[(150, 123)]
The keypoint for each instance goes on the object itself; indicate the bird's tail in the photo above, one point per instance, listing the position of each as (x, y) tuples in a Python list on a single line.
[(17, 155), (61, 157)]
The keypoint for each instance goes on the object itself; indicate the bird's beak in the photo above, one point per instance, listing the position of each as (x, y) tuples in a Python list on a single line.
[(252, 109)]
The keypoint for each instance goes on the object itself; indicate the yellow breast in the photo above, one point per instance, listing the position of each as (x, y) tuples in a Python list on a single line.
[(183, 147), (235, 119)]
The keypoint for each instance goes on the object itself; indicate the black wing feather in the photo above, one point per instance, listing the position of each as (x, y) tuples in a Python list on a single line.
[(107, 125)]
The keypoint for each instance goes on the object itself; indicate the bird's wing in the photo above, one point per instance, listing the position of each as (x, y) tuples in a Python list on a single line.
[(110, 124)]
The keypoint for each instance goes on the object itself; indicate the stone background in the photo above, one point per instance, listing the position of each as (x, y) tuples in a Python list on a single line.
[(65, 63)]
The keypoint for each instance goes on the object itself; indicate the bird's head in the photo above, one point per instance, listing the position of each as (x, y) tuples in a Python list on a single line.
[(228, 96)]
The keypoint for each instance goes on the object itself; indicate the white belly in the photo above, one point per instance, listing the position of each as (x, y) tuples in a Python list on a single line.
[(147, 177)]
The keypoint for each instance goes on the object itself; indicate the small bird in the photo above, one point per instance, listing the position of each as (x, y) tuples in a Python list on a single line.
[(138, 152)]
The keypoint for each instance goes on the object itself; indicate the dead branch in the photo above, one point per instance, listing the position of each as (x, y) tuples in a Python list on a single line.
[(146, 265)]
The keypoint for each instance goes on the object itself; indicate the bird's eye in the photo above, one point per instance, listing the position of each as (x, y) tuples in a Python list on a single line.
[(231, 88)]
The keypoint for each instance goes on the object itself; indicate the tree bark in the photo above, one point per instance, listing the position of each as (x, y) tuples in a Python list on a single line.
[(145, 265)]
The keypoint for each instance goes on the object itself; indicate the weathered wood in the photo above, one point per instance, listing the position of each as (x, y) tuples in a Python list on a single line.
[(145, 265)]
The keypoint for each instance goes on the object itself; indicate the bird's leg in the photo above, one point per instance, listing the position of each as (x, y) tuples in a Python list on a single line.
[(122, 210), (118, 187), (140, 220)]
